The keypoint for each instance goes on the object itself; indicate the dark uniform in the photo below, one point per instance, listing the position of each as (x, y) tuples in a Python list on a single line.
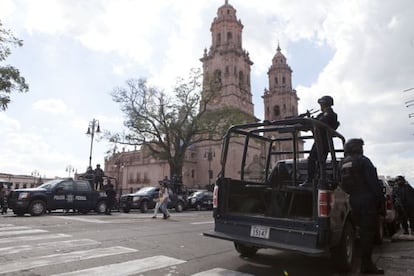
[(403, 195), (111, 195), (89, 175), (329, 117), (360, 181), (99, 174)]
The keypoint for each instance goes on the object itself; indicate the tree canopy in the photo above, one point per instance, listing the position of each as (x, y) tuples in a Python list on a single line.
[(10, 78), (167, 124)]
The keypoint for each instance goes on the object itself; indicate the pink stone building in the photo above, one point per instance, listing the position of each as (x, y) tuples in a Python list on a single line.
[(229, 66)]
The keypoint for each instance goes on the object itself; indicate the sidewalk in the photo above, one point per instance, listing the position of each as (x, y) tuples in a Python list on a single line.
[(396, 255)]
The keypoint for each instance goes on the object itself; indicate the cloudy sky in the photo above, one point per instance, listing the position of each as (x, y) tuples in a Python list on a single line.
[(76, 52)]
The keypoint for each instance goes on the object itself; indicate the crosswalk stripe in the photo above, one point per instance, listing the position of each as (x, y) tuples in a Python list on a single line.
[(9, 228), (221, 272), (91, 220), (21, 232), (128, 268), (47, 246), (5, 225), (33, 238), (203, 222), (39, 261)]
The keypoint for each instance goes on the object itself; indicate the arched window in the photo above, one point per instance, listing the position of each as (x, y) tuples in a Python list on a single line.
[(283, 80), (276, 110), (229, 36), (276, 81), (218, 39), (241, 78)]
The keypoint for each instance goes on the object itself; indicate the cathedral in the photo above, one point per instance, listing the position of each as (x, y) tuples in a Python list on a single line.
[(229, 65)]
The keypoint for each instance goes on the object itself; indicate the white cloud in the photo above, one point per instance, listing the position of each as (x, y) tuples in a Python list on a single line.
[(53, 106)]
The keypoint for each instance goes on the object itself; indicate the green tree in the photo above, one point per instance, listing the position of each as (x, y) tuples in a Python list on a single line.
[(166, 124), (10, 79)]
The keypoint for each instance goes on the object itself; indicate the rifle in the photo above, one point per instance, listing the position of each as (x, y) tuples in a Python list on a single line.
[(308, 113)]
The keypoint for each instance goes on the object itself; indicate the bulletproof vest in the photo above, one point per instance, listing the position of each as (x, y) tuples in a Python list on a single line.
[(352, 177)]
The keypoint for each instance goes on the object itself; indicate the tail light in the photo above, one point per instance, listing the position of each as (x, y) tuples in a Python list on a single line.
[(324, 203), (215, 196)]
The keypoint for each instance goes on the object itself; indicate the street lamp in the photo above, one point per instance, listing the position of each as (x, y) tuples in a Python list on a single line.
[(92, 129), (35, 174), (70, 169)]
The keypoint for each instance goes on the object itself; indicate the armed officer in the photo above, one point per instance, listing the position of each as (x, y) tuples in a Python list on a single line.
[(329, 117), (360, 180)]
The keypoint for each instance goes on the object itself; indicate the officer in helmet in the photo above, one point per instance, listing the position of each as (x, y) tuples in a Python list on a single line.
[(360, 180), (329, 117)]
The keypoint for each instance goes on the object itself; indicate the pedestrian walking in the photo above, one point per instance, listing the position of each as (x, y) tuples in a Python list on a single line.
[(164, 202), (329, 117), (360, 180), (158, 201)]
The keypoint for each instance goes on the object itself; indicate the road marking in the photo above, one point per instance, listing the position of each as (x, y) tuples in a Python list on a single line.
[(6, 225), (33, 238), (221, 272), (21, 232), (39, 261), (128, 268), (8, 228), (46, 245), (91, 220), (203, 222)]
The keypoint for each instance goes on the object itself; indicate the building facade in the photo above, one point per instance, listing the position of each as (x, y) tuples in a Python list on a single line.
[(228, 66)]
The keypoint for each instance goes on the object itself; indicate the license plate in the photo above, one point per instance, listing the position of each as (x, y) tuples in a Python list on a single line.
[(258, 231)]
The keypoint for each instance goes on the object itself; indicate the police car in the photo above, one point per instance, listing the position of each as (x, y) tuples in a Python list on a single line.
[(57, 194)]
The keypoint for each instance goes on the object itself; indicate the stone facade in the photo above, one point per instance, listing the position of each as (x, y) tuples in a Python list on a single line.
[(228, 66)]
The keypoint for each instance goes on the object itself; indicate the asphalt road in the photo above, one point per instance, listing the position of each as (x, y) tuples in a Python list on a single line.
[(136, 244)]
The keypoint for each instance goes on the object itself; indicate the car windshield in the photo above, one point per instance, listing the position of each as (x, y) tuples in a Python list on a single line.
[(144, 190), (50, 184)]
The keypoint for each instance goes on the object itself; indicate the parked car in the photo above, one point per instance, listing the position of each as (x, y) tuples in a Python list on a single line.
[(201, 199), (142, 199)]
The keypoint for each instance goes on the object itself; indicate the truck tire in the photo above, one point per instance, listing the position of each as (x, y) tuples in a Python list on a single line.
[(179, 207), (125, 210), (244, 250), (144, 206), (343, 254), (101, 207), (37, 208)]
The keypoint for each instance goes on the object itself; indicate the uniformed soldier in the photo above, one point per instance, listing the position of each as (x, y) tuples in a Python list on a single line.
[(360, 180), (111, 196), (329, 117)]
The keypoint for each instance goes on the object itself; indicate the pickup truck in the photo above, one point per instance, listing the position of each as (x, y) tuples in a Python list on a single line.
[(267, 207), (144, 199), (57, 194)]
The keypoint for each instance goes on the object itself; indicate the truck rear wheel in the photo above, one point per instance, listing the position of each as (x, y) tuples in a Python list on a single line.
[(37, 208), (244, 250), (343, 254)]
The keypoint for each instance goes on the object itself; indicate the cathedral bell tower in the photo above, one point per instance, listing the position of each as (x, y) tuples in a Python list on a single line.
[(280, 100), (226, 66)]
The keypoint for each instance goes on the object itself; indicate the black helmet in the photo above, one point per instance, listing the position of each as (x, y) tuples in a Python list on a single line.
[(327, 100), (354, 145)]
